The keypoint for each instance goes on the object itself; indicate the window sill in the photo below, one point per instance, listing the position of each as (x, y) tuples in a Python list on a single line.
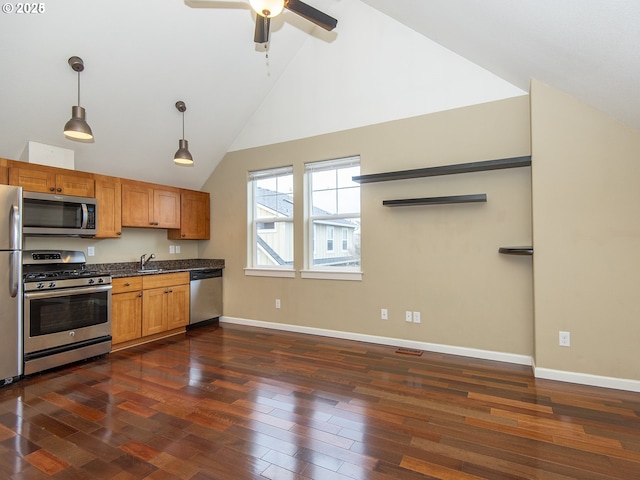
[(269, 272), (329, 275)]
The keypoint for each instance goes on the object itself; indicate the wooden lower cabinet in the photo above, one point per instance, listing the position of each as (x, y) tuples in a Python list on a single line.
[(148, 307)]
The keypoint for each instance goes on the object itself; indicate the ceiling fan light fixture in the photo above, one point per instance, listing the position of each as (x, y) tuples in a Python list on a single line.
[(267, 8), (182, 156)]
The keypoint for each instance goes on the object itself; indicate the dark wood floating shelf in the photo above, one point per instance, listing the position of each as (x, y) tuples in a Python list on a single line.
[(516, 250), (446, 170), (406, 202)]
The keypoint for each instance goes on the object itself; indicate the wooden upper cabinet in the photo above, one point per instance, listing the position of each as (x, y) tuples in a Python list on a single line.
[(150, 206), (52, 180), (166, 207), (4, 172), (109, 197), (194, 217)]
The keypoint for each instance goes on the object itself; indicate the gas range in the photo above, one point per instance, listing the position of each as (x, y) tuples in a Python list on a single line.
[(53, 269)]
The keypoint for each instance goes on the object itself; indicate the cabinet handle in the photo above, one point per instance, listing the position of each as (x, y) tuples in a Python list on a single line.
[(59, 189), (52, 189), (128, 284), (184, 235), (166, 291), (140, 294), (118, 233), (171, 290)]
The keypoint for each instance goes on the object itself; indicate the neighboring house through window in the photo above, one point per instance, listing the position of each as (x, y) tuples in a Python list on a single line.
[(271, 219), (333, 204)]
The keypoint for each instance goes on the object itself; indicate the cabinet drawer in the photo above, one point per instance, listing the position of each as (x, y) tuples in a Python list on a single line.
[(126, 284), (165, 280)]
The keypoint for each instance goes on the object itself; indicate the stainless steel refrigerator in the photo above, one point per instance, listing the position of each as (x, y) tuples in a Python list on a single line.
[(10, 284)]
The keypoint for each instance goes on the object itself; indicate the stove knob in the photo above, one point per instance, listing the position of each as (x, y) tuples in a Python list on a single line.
[(40, 285), (101, 280), (91, 281), (52, 284)]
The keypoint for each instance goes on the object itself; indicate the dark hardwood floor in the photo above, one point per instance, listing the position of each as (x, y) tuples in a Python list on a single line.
[(237, 402)]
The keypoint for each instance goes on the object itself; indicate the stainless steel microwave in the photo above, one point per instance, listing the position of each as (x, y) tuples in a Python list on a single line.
[(62, 215)]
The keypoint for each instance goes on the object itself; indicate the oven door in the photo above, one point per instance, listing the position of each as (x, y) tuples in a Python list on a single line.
[(56, 318)]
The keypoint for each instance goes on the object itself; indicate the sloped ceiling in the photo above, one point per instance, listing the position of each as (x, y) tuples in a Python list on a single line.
[(387, 59)]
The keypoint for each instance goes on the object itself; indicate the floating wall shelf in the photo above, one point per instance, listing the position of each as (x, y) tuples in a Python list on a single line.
[(446, 170), (516, 250), (406, 202)]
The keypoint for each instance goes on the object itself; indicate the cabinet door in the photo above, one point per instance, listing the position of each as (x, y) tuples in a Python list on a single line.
[(32, 179), (108, 195), (126, 316), (137, 205), (78, 185), (194, 217), (154, 310), (166, 208), (4, 175), (178, 307)]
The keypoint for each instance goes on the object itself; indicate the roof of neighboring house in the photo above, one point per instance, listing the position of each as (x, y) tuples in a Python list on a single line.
[(282, 205)]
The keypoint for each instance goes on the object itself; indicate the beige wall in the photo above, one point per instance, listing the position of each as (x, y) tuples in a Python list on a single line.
[(440, 260), (134, 242), (586, 199)]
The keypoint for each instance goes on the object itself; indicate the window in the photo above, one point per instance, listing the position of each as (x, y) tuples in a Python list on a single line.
[(333, 203), (329, 239), (270, 220)]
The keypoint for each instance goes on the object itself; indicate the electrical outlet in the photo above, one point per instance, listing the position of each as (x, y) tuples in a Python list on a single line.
[(408, 316), (384, 314), (416, 317), (177, 248), (91, 251), (277, 303), (172, 249), (565, 339)]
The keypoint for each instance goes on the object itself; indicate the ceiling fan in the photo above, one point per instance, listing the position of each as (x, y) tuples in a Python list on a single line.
[(267, 9)]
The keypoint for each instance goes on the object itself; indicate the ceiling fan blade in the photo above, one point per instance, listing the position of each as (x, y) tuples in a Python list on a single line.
[(261, 34), (313, 15)]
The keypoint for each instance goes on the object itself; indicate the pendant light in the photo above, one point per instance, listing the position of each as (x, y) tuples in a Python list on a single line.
[(77, 128), (182, 156)]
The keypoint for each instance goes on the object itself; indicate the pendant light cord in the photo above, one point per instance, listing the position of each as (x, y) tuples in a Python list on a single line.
[(78, 88)]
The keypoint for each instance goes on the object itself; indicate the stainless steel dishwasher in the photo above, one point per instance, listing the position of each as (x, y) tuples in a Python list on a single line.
[(206, 296)]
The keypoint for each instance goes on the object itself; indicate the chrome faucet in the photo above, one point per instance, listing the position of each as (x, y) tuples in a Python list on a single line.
[(144, 260)]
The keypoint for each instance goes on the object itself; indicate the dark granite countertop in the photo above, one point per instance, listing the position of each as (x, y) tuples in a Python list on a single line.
[(130, 269)]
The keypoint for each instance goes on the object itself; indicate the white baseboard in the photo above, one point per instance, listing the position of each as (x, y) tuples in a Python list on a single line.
[(587, 379), (395, 342)]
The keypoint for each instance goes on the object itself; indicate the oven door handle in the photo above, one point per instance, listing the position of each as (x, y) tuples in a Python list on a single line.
[(64, 292)]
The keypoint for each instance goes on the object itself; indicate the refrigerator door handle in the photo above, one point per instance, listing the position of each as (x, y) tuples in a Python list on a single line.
[(14, 273), (14, 228)]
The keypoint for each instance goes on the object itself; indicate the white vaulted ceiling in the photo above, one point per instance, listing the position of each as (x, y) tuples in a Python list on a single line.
[(387, 59)]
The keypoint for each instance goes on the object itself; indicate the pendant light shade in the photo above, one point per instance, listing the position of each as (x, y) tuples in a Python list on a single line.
[(183, 156), (77, 127)]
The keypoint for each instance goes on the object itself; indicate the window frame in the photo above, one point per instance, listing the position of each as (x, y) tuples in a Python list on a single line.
[(313, 219), (253, 222)]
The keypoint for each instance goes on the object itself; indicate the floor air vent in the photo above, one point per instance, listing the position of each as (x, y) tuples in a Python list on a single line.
[(409, 351)]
